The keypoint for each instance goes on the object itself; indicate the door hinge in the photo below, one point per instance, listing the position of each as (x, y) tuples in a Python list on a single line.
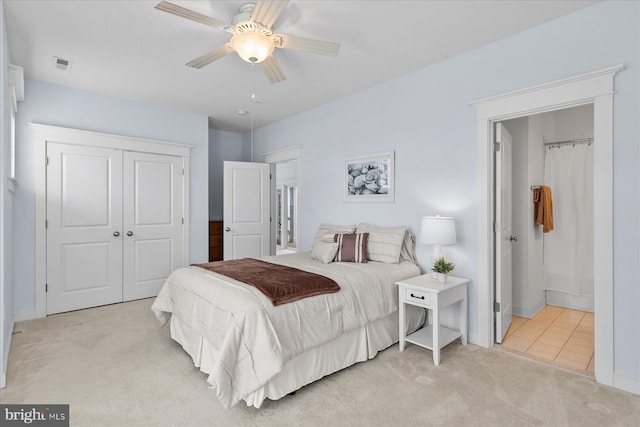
[(496, 306), (46, 287), (46, 161), (46, 224), (183, 221), (182, 171), (496, 146), (495, 227), (270, 177)]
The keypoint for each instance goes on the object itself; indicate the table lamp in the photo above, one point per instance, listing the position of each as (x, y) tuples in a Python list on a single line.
[(437, 231)]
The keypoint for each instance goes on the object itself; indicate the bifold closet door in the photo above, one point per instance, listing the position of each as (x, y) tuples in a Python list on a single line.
[(84, 227), (153, 222)]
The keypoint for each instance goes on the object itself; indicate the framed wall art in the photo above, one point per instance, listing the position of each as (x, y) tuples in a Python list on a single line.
[(369, 178)]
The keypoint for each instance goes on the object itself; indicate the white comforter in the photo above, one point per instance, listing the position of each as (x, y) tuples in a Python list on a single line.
[(253, 338)]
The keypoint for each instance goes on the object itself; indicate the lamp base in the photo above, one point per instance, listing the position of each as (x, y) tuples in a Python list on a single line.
[(437, 254)]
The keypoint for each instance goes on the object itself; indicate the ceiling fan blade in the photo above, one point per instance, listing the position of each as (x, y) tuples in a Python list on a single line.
[(310, 45), (194, 16), (272, 70), (267, 11), (208, 58)]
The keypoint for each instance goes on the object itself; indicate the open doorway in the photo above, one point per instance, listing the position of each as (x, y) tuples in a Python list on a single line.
[(597, 88), (286, 207), (551, 272), (287, 193)]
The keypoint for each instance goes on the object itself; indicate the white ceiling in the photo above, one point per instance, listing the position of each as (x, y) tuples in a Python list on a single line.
[(130, 50)]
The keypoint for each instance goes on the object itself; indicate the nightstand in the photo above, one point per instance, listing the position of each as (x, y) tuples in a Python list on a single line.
[(423, 291)]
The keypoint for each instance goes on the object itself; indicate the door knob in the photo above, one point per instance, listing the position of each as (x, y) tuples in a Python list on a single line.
[(129, 233), (116, 233), (227, 229), (513, 238)]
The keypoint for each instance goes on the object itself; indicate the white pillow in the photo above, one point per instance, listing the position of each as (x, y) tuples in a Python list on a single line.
[(408, 251), (385, 243), (324, 252), (331, 229)]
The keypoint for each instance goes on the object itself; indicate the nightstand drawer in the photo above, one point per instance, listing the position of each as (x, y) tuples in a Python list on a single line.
[(413, 296)]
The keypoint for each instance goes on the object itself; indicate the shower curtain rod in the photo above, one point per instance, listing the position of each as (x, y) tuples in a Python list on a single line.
[(569, 142)]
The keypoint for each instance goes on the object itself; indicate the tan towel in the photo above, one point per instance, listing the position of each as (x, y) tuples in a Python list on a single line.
[(543, 207)]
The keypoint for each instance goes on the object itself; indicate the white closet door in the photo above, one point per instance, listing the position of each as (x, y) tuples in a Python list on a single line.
[(153, 229), (84, 232)]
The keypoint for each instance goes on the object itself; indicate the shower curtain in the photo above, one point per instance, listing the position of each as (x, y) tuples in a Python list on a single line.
[(568, 249)]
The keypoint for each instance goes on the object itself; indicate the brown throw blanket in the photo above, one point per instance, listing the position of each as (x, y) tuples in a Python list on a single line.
[(279, 283), (544, 207)]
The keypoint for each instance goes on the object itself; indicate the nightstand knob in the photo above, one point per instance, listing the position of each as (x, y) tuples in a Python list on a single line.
[(416, 296)]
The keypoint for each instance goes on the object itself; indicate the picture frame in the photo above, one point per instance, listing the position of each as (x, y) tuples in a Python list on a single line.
[(369, 178)]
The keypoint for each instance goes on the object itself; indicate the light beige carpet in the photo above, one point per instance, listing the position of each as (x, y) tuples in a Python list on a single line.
[(115, 365)]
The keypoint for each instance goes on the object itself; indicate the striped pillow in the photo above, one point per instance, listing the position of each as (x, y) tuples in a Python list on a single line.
[(385, 243), (352, 247)]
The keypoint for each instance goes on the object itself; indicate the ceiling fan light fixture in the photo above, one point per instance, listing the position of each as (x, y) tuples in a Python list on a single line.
[(253, 47)]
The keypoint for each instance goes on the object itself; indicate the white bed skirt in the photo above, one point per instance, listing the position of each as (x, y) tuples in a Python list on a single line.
[(351, 347)]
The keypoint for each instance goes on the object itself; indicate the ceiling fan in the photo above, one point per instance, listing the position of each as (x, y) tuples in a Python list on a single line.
[(252, 37)]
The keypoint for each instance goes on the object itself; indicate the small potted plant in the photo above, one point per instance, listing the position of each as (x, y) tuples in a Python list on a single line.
[(442, 268)]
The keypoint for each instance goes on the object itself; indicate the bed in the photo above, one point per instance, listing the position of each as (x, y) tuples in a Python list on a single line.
[(253, 350)]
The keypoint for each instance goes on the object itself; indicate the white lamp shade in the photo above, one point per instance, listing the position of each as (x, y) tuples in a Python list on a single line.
[(438, 230), (252, 47)]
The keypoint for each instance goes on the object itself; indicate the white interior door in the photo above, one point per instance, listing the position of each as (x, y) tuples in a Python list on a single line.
[(504, 238), (153, 222), (247, 210), (84, 227)]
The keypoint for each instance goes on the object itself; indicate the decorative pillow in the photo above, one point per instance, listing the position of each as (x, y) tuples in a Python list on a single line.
[(330, 237), (385, 243), (352, 247), (333, 230), (324, 252)]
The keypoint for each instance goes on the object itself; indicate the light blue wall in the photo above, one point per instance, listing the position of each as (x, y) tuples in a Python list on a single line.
[(61, 106), (223, 146), (425, 117), (6, 204)]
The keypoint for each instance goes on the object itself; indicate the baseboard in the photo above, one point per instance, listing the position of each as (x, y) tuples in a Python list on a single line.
[(474, 339), (25, 315), (576, 302), (622, 382), (527, 313), (5, 365)]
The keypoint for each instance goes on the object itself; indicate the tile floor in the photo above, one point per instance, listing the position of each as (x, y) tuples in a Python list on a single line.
[(556, 335)]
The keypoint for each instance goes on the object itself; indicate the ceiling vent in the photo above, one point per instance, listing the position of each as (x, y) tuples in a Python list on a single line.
[(61, 63)]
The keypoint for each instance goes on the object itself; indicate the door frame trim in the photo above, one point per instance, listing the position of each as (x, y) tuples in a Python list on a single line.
[(44, 133), (285, 155), (596, 88)]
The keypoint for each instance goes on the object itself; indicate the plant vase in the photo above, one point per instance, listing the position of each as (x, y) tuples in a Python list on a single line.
[(442, 278)]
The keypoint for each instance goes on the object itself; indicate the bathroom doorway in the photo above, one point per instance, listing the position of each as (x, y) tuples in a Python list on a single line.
[(552, 277), (286, 191), (286, 217)]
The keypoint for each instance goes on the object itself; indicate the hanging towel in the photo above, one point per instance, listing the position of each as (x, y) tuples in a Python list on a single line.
[(543, 207)]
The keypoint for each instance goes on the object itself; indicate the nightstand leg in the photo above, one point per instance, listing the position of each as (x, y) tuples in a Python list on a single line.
[(463, 321), (402, 332), (436, 336)]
